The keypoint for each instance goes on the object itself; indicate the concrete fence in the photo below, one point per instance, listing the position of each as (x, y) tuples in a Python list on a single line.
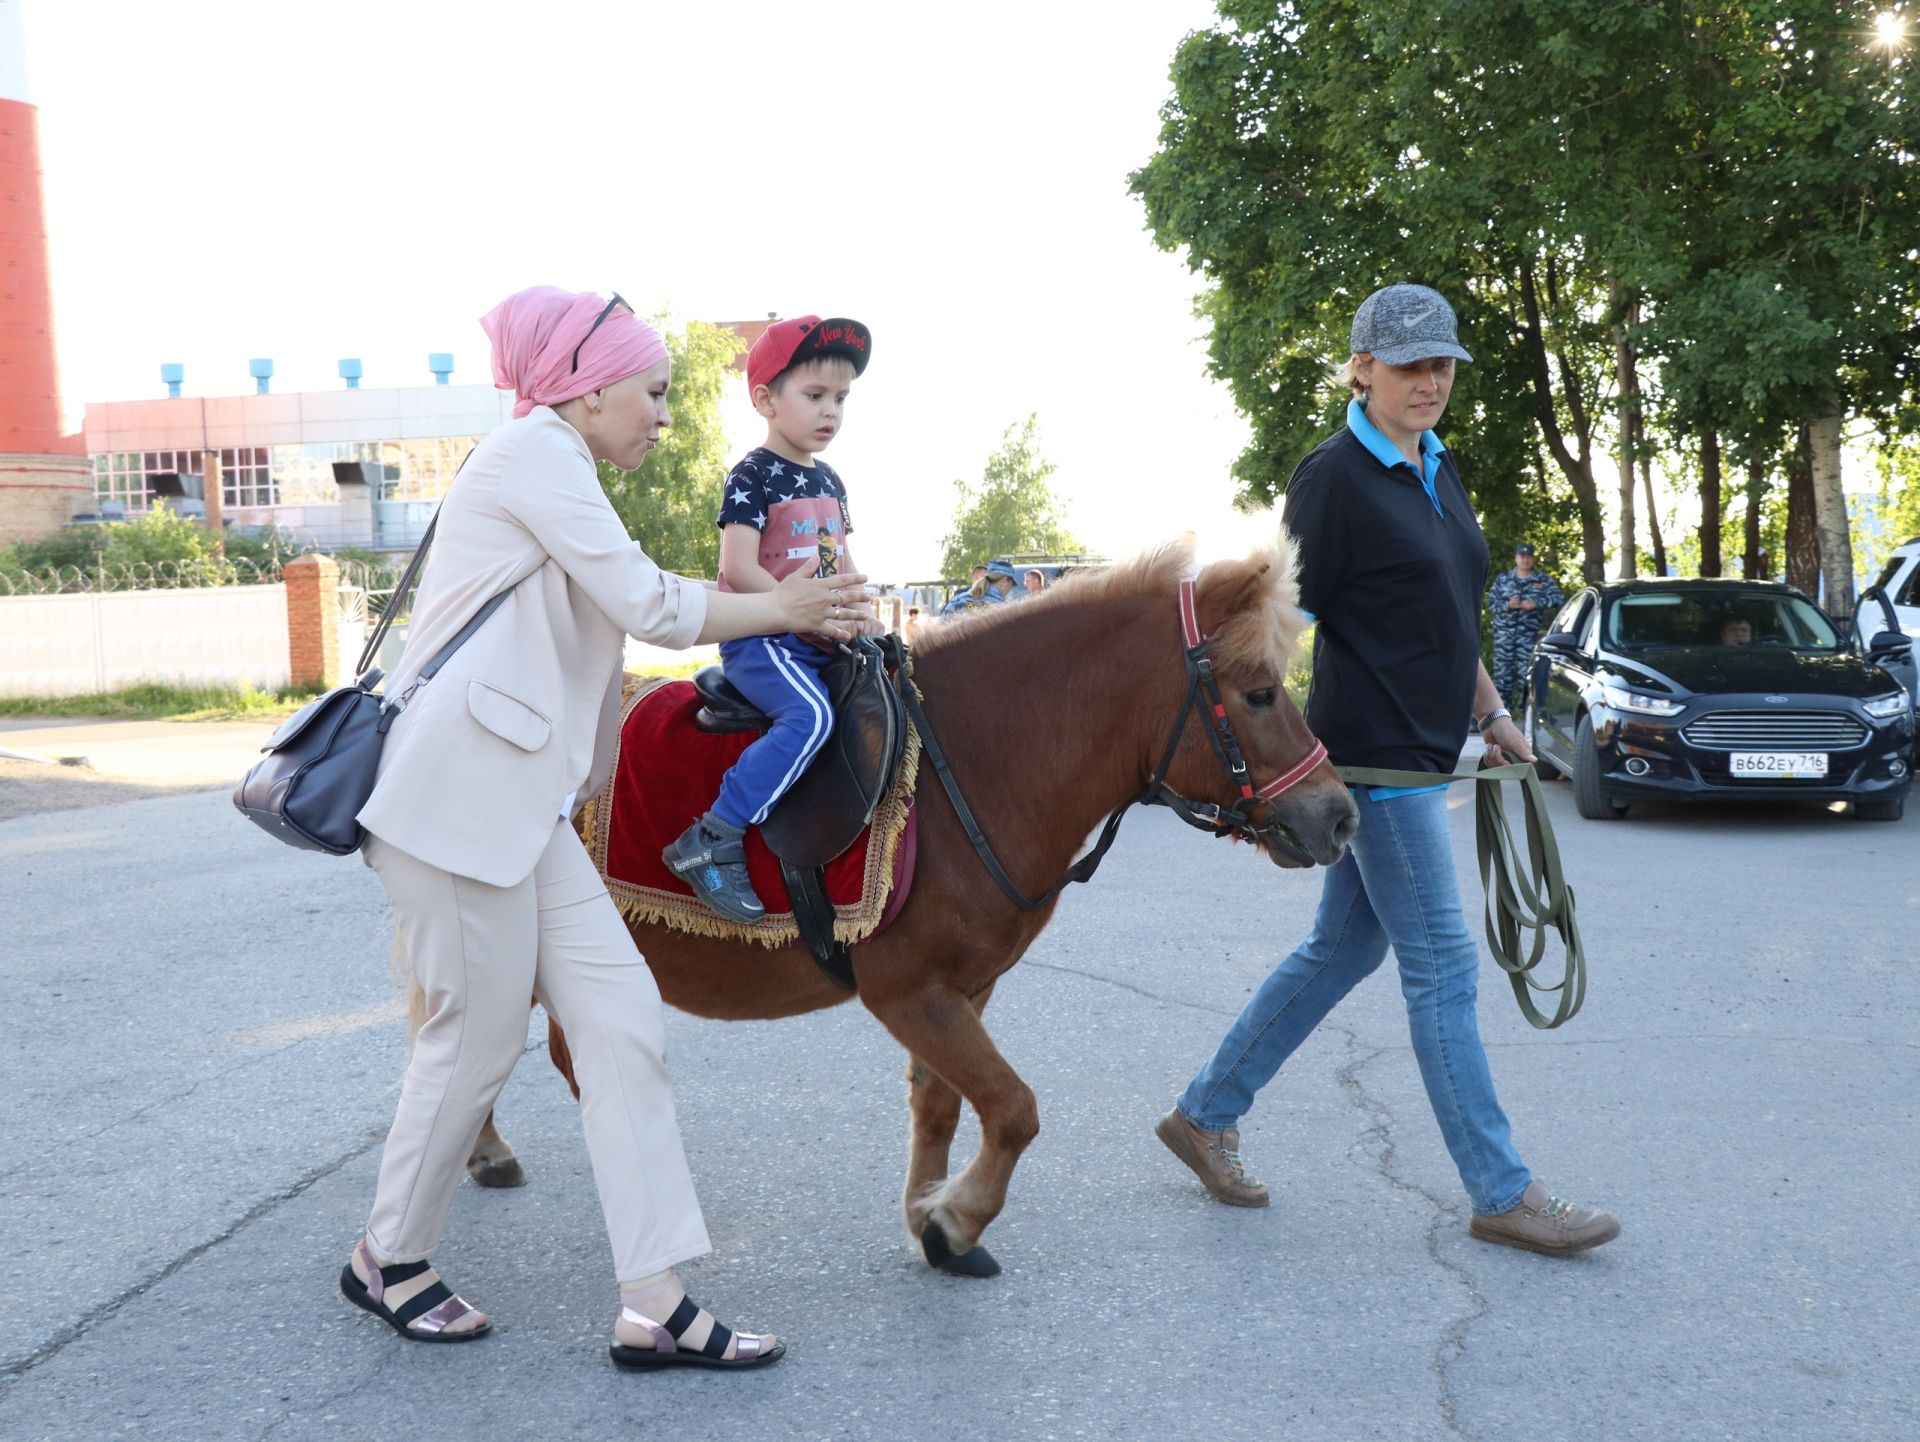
[(307, 630), (203, 635)]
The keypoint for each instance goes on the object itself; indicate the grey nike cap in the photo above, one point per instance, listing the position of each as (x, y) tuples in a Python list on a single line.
[(1404, 323)]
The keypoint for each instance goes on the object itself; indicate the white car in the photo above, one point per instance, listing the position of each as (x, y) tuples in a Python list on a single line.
[(1900, 582)]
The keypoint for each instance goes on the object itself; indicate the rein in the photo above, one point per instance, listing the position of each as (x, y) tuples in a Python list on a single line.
[(1202, 687), (1518, 901)]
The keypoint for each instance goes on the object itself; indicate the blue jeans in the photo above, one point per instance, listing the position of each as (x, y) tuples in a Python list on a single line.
[(1396, 885)]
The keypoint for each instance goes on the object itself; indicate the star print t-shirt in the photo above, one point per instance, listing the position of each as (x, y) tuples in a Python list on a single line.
[(799, 511)]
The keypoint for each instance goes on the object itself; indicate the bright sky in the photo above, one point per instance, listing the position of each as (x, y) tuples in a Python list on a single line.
[(308, 181)]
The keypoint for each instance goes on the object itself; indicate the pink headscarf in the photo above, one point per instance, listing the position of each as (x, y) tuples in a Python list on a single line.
[(534, 333)]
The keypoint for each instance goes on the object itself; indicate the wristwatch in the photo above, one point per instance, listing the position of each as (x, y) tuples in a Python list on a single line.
[(1493, 716)]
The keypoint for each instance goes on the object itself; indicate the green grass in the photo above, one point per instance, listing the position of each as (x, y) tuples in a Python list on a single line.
[(159, 702)]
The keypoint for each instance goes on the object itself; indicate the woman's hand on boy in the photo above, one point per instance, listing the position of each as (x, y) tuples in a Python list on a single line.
[(832, 606)]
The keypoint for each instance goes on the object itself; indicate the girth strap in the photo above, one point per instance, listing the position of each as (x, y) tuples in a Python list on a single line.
[(813, 916), (1518, 900)]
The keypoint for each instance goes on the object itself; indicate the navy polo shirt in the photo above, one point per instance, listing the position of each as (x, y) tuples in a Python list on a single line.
[(1392, 566)]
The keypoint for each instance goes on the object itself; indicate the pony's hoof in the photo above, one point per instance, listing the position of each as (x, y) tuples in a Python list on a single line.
[(940, 1256), (500, 1174)]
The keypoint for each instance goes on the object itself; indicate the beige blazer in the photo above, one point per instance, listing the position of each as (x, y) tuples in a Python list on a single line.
[(483, 756)]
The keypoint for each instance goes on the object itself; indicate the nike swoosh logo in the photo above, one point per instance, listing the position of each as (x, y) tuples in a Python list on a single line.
[(1420, 316)]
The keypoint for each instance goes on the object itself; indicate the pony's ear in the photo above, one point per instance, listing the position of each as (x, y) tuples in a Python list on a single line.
[(1250, 609), (1227, 589)]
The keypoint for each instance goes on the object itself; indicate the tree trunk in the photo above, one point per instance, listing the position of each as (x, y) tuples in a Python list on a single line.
[(1750, 562), (1629, 408), (1830, 513), (1710, 502), (1803, 541), (1653, 512), (1577, 468)]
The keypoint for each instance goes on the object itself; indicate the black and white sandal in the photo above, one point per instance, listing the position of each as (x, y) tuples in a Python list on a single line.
[(751, 1350), (426, 1311)]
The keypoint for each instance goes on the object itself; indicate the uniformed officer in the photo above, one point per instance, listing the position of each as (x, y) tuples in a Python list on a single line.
[(1519, 601)]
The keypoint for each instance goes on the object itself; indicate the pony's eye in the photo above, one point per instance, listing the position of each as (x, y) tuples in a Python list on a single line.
[(1260, 699)]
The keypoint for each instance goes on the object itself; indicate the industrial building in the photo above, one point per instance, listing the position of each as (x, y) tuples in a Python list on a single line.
[(350, 467)]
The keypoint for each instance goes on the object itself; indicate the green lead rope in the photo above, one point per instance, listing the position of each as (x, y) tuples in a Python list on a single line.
[(1521, 902)]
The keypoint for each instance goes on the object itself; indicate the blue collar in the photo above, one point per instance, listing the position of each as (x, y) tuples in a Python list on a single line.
[(1383, 450)]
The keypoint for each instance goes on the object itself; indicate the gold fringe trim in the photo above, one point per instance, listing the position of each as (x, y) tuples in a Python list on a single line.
[(680, 912)]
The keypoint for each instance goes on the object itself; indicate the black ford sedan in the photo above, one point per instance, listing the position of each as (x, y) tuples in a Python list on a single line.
[(1672, 690)]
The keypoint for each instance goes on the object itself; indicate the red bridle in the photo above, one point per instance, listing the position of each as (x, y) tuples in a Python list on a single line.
[(1220, 729)]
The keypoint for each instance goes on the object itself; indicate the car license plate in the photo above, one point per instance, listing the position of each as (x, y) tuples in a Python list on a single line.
[(1780, 765)]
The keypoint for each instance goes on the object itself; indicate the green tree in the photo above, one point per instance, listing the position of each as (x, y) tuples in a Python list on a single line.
[(669, 503), (1663, 224), (1012, 508), (1795, 307), (1314, 151), (160, 536)]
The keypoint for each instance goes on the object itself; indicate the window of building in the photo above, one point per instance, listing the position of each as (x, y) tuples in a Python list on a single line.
[(303, 475), (120, 477), (260, 476), (421, 470), (245, 477)]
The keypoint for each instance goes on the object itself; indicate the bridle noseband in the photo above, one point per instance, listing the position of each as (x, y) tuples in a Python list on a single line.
[(1203, 687), (1237, 819)]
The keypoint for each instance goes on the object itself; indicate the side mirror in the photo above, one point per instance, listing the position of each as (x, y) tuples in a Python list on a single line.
[(1894, 646), (1560, 641)]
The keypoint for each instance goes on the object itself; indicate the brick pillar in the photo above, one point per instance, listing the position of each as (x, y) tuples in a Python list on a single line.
[(313, 621)]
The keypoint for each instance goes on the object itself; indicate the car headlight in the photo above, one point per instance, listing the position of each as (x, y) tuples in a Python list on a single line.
[(1881, 707), (1621, 699)]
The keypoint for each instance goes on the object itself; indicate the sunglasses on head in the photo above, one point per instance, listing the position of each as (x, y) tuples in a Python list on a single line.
[(618, 299)]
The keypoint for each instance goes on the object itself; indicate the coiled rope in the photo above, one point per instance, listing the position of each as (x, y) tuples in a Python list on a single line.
[(1523, 903)]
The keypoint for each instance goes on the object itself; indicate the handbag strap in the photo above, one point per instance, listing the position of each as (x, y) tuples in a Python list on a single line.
[(397, 601), (392, 707)]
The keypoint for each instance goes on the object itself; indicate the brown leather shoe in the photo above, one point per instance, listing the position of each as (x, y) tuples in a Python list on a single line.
[(1546, 1223), (1215, 1159)]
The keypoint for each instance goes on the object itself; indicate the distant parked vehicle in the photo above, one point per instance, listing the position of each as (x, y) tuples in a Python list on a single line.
[(1675, 690), (1899, 581)]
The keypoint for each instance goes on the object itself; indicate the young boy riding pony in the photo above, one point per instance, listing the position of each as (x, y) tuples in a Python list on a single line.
[(784, 510)]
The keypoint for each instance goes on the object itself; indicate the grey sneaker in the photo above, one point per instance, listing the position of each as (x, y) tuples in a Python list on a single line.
[(711, 857), (1546, 1223), (1215, 1159)]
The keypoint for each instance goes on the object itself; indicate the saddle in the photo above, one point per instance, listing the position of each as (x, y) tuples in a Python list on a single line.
[(824, 812)]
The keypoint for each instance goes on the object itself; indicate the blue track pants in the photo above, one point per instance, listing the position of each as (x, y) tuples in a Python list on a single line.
[(782, 676)]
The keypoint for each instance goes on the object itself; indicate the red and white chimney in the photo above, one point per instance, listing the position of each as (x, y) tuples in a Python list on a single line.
[(44, 474)]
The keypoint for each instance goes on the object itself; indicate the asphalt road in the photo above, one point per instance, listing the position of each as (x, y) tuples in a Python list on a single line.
[(202, 1051)]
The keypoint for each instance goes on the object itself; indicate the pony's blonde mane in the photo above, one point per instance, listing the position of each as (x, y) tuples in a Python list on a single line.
[(1259, 636)]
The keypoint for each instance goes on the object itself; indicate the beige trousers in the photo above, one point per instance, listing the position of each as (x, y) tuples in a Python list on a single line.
[(480, 952)]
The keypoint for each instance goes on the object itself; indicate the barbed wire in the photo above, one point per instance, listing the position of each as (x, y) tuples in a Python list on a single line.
[(375, 577), (139, 576)]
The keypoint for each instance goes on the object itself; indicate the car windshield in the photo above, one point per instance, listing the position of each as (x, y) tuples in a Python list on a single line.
[(1717, 618)]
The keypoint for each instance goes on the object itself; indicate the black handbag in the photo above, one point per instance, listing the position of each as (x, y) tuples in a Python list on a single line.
[(320, 764)]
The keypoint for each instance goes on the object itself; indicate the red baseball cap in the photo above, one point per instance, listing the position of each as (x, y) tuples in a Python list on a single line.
[(786, 343)]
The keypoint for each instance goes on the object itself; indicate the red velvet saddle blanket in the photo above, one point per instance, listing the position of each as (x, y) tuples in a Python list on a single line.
[(667, 772)]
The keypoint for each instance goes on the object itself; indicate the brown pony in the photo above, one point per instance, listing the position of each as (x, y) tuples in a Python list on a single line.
[(1091, 675)]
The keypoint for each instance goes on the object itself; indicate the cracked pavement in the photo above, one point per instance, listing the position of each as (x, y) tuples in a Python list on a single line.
[(202, 1056)]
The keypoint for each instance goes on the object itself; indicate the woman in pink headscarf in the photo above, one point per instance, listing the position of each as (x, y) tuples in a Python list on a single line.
[(494, 897)]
